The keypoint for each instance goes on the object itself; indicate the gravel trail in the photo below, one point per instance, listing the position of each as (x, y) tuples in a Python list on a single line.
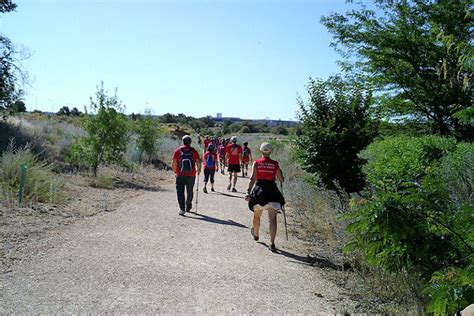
[(145, 258)]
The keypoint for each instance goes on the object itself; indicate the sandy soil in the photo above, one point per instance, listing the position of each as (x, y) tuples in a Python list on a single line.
[(145, 258)]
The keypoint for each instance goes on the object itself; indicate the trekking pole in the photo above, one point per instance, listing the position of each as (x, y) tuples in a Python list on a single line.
[(197, 192), (284, 212)]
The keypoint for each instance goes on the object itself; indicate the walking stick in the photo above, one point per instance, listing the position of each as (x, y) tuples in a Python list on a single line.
[(197, 192), (284, 212)]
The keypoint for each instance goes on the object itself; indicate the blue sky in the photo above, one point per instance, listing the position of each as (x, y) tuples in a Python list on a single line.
[(243, 58)]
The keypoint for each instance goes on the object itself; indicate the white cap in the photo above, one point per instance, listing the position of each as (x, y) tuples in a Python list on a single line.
[(186, 139), (233, 139), (266, 148)]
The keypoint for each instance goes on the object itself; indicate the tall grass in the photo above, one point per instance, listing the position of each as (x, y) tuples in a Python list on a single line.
[(41, 184)]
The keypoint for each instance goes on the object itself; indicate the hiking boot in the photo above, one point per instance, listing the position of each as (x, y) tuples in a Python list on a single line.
[(204, 190), (181, 212), (228, 187), (212, 189), (273, 248), (253, 234), (234, 190)]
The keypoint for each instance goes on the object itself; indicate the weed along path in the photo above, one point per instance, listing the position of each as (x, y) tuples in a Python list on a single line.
[(145, 258)]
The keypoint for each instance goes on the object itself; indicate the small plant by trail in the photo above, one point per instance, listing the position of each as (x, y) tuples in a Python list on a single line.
[(41, 183), (148, 131), (107, 133)]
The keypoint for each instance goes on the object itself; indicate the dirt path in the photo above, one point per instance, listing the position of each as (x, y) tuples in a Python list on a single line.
[(144, 258)]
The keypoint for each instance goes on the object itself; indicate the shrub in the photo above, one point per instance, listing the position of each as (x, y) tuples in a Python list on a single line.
[(148, 132), (40, 183), (336, 126), (106, 132), (419, 217)]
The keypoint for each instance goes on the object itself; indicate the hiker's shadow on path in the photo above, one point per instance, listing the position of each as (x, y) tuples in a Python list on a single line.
[(214, 220), (126, 184), (230, 195), (308, 260)]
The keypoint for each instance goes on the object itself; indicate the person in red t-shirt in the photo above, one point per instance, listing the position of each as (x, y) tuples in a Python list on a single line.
[(221, 151), (233, 156), (186, 163), (246, 159), (265, 194), (207, 141), (209, 161)]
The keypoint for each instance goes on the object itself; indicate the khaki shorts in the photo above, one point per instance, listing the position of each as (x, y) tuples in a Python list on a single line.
[(269, 206)]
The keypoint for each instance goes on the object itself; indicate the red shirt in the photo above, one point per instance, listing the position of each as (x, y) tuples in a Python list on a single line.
[(177, 156), (249, 152), (266, 168), (207, 141), (204, 159), (233, 150), (221, 151)]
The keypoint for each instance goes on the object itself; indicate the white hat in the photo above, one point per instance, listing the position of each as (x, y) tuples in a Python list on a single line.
[(266, 148), (186, 139), (233, 139)]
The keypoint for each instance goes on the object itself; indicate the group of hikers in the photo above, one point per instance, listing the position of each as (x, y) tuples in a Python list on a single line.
[(262, 192)]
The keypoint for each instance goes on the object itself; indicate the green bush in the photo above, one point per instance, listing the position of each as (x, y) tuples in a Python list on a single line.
[(106, 133), (148, 131), (336, 126), (40, 183), (419, 216)]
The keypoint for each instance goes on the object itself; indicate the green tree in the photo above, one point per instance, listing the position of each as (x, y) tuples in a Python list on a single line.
[(64, 111), (148, 131), (17, 107), (76, 112), (399, 49), (336, 126), (9, 70), (168, 118), (106, 132), (281, 130)]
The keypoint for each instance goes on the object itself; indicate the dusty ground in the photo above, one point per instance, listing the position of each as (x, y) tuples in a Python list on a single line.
[(144, 258)]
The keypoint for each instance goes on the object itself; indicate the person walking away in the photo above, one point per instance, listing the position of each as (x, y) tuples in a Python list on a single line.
[(246, 159), (215, 142), (186, 163), (233, 156), (221, 152), (210, 167), (207, 141), (263, 194)]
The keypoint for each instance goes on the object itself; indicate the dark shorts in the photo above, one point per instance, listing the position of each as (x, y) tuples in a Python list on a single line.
[(234, 168)]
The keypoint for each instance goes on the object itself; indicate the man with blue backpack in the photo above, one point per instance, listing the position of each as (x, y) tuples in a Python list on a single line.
[(210, 166), (186, 163)]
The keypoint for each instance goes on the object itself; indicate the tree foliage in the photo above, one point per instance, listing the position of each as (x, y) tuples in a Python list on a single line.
[(419, 216), (106, 132), (336, 126), (10, 72), (67, 112), (417, 53), (148, 131)]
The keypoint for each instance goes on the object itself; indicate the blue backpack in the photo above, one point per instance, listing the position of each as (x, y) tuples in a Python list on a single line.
[(210, 162)]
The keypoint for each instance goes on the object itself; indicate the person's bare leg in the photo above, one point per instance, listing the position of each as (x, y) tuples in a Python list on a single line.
[(257, 213), (272, 216), (235, 178)]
